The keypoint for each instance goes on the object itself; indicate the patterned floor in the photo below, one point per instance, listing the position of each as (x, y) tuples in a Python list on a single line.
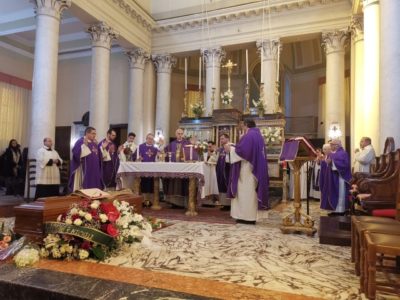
[(257, 256)]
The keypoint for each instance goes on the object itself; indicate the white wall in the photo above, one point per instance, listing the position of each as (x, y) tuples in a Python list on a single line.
[(16, 64), (73, 89)]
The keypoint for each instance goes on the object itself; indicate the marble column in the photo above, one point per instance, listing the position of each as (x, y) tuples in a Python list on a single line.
[(137, 61), (270, 49), (371, 111), (164, 64), (102, 36), (357, 46), (390, 72), (44, 82), (213, 57), (334, 43)]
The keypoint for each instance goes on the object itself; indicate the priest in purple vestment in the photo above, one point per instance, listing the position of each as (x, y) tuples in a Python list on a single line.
[(147, 153), (249, 180), (86, 163), (110, 160), (176, 190), (335, 178)]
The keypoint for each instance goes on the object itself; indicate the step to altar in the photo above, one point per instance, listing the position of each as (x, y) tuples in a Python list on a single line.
[(335, 230)]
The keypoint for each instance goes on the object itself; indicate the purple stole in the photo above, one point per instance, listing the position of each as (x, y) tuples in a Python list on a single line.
[(110, 168), (91, 164), (251, 148), (222, 170)]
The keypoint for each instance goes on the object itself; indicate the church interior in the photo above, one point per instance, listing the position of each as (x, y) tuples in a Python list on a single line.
[(308, 74)]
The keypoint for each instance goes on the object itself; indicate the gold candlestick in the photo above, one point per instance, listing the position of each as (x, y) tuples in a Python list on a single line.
[(247, 110), (185, 111), (278, 108)]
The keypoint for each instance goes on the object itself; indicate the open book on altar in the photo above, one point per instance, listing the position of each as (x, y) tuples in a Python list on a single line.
[(92, 193), (298, 147)]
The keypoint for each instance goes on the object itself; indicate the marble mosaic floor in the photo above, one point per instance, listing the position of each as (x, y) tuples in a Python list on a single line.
[(255, 256)]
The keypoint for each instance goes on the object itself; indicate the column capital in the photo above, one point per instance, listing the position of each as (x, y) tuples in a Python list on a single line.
[(216, 53), (137, 58), (102, 35), (52, 8), (357, 27), (270, 48), (335, 41), (163, 62)]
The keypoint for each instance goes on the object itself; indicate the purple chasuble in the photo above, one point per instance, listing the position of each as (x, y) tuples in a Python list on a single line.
[(329, 180), (91, 175), (174, 145), (251, 148), (110, 168), (148, 153), (222, 170)]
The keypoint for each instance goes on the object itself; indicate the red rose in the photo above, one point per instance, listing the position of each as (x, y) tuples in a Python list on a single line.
[(110, 210), (86, 245), (94, 214), (111, 230)]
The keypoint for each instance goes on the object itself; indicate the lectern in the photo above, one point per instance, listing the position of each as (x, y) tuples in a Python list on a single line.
[(297, 151)]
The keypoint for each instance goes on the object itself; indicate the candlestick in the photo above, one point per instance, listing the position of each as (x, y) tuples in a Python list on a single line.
[(185, 110), (185, 73), (200, 73), (247, 67), (247, 110)]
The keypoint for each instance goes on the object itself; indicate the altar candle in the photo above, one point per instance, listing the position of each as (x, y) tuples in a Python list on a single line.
[(262, 63), (185, 73), (212, 70), (200, 73), (277, 65), (191, 152), (247, 67), (137, 154)]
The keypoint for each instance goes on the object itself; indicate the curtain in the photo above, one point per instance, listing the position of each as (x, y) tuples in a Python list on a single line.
[(15, 103)]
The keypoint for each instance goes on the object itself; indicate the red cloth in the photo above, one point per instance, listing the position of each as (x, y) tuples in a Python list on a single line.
[(386, 213)]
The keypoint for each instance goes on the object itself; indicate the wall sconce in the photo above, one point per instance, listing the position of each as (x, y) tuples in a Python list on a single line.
[(334, 131)]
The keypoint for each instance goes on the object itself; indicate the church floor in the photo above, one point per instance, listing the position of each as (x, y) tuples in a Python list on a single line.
[(192, 260)]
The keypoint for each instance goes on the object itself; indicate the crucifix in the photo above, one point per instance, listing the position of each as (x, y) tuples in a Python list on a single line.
[(229, 65)]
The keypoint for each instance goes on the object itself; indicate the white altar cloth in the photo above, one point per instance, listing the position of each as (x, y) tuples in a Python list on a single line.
[(204, 172)]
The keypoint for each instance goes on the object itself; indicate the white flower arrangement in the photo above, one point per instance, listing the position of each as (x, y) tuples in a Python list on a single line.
[(271, 135), (26, 257), (197, 109), (227, 97)]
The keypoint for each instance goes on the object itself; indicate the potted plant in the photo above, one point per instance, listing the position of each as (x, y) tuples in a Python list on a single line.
[(197, 109), (226, 98), (260, 107)]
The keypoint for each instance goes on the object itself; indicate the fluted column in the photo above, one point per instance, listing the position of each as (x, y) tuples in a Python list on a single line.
[(137, 61), (270, 49), (334, 43), (44, 88), (102, 37), (164, 64), (213, 57), (357, 44), (371, 72), (149, 96), (390, 72)]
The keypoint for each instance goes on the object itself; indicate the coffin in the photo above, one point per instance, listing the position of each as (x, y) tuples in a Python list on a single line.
[(30, 217)]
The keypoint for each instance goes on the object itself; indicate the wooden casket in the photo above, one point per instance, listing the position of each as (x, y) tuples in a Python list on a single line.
[(30, 217)]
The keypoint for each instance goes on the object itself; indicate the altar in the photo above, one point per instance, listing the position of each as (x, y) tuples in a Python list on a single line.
[(200, 174)]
